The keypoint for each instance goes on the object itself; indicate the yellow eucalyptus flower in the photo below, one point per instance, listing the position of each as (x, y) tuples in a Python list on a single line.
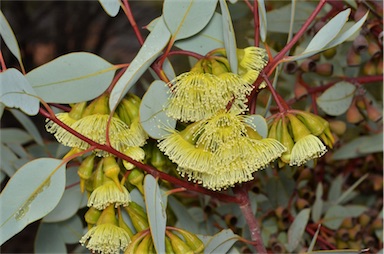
[(109, 194), (106, 237)]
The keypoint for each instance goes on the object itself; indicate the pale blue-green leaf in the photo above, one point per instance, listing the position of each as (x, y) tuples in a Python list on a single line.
[(16, 92), (43, 182), (340, 38), (152, 116), (111, 7), (210, 38), (360, 147), (318, 204), (148, 52), (355, 210), (336, 188), (197, 213), (72, 78), (328, 32), (269, 227), (29, 126), (221, 242), (186, 18), (296, 230), (279, 18), (258, 123), (8, 159), (335, 215), (70, 201), (48, 239), (184, 218), (71, 230), (336, 100), (9, 38), (19, 150), (262, 20), (137, 197), (13, 135), (313, 242), (157, 216), (229, 36), (350, 189)]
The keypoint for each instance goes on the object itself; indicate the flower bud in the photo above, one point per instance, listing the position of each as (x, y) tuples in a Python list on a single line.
[(97, 177), (124, 225), (364, 219), (144, 245), (342, 234), (73, 151), (353, 114), (338, 127), (85, 170), (353, 59), (138, 216), (196, 245), (136, 178), (347, 223), (131, 108), (287, 141), (308, 65), (324, 69), (301, 204), (291, 67), (299, 90), (136, 153), (373, 113), (374, 50), (158, 159), (312, 122), (355, 232), (340, 244), (354, 244), (135, 241), (218, 67), (168, 246), (282, 212), (369, 68), (360, 44), (101, 105), (330, 53), (77, 110), (111, 169), (92, 216), (179, 247), (360, 11)]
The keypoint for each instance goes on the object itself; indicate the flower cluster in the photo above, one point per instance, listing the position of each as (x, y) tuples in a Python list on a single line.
[(210, 85), (93, 121), (303, 134)]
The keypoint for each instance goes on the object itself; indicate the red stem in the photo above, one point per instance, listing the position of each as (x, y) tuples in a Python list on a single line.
[(256, 23), (150, 170), (2, 62), (131, 19), (253, 223)]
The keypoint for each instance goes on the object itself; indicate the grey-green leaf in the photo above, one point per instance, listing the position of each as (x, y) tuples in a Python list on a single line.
[(152, 116), (43, 183), (229, 36), (111, 7), (10, 38), (71, 230), (210, 38), (157, 216), (262, 20), (29, 126), (147, 54), (258, 123), (72, 78), (48, 239), (359, 147), (187, 18), (296, 230), (221, 242), (336, 100), (318, 204), (16, 92)]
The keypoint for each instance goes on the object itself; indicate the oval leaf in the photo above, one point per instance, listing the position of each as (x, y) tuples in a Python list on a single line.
[(336, 100), (296, 230), (221, 242), (150, 50), (48, 239), (328, 32), (43, 183), (152, 116), (187, 18), (71, 230), (262, 20), (10, 38), (72, 78), (111, 7), (334, 216), (210, 38), (16, 92), (28, 125), (229, 36), (69, 202), (258, 123), (157, 216)]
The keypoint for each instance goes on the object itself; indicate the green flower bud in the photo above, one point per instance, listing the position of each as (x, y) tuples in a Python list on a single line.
[(112, 169), (144, 245), (138, 216), (196, 245), (85, 170), (92, 216), (136, 178), (179, 247), (124, 225), (168, 246)]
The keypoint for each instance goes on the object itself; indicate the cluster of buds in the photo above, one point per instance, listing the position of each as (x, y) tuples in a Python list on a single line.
[(302, 133), (181, 242), (362, 108)]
